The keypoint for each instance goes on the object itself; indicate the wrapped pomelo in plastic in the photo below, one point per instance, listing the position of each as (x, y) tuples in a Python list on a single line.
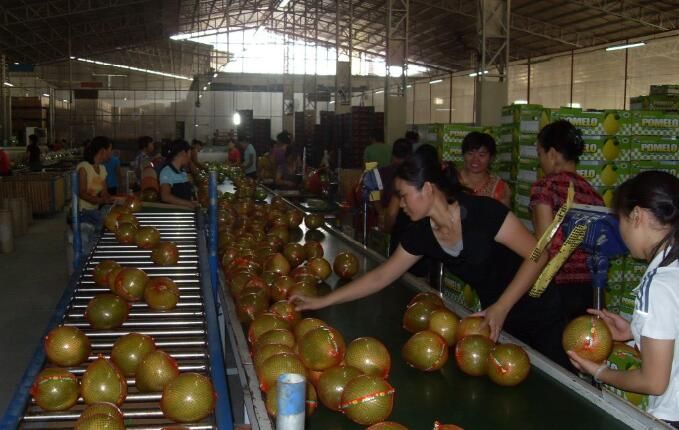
[(322, 348), (425, 350), (472, 325), (155, 371), (67, 346), (275, 366), (368, 355), (331, 385), (471, 354), (508, 365), (189, 397), (287, 311), (165, 254), (367, 399), (161, 294), (107, 311), (129, 350), (101, 271), (444, 323), (55, 389), (103, 382), (589, 337), (416, 317), (263, 323)]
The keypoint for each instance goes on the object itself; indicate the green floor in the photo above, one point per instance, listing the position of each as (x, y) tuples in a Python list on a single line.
[(32, 279)]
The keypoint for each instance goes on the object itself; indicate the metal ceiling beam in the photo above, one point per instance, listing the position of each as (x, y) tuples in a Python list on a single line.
[(640, 14), (545, 30), (44, 10)]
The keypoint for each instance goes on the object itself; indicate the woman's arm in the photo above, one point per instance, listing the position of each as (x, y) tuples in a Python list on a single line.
[(516, 237), (542, 217), (368, 284), (652, 378), (167, 197)]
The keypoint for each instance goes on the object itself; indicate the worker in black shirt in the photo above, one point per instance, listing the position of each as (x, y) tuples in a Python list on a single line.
[(33, 154), (479, 240)]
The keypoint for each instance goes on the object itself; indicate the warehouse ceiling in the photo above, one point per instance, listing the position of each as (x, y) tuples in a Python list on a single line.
[(443, 33)]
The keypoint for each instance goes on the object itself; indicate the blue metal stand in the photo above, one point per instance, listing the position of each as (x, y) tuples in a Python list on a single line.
[(213, 234), (223, 413), (77, 240)]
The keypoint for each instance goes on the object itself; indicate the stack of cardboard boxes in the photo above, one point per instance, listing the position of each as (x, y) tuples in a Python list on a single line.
[(520, 127)]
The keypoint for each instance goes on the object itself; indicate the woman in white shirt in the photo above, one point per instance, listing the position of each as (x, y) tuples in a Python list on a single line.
[(648, 208)]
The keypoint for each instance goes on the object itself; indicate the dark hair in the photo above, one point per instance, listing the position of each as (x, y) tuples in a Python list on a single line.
[(33, 138), (196, 142), (401, 149), (477, 140), (97, 144), (175, 147), (377, 135), (423, 166), (144, 141), (284, 137), (657, 192), (412, 135), (564, 138)]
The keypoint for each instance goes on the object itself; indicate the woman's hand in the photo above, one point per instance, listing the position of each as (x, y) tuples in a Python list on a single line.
[(619, 327), (583, 364), (303, 303), (494, 317)]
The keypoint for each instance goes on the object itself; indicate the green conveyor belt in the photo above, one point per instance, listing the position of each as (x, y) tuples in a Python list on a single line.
[(448, 395)]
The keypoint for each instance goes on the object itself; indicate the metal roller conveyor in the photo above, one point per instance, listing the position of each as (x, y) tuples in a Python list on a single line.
[(550, 397), (189, 333)]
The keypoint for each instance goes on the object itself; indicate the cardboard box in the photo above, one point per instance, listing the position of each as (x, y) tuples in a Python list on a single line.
[(603, 173), (651, 147), (655, 123), (616, 272), (606, 148), (664, 90), (595, 123), (669, 166), (607, 194), (655, 102), (525, 118)]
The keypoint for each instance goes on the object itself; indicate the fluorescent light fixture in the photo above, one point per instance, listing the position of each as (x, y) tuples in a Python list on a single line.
[(184, 36), (16, 64), (200, 96), (65, 101), (7, 84), (395, 70), (332, 102), (409, 86), (574, 105), (236, 118), (72, 58), (136, 69), (195, 125), (520, 102), (125, 99), (215, 75), (283, 3), (435, 81), (438, 101), (485, 72), (628, 45), (45, 95), (209, 83), (379, 92), (205, 88)]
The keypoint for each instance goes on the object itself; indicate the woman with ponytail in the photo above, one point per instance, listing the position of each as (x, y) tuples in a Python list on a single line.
[(479, 240), (559, 147), (648, 208), (92, 176)]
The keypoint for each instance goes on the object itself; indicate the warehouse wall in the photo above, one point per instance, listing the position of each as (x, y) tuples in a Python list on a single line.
[(593, 79)]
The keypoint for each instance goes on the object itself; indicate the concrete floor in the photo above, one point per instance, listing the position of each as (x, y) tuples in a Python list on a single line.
[(32, 279)]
